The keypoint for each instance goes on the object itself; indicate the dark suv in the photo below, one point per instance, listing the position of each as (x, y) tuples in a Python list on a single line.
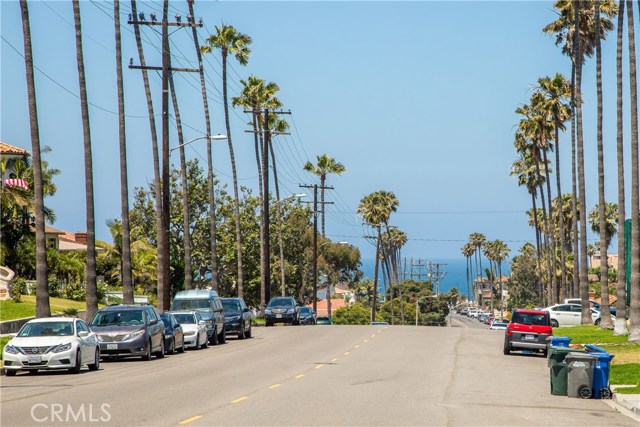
[(282, 310), (237, 317), (528, 330), (129, 330)]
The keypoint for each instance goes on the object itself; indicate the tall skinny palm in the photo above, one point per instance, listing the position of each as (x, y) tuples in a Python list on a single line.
[(501, 253), (231, 41), (324, 166), (90, 276), (43, 308), (478, 239), (127, 279), (468, 250)]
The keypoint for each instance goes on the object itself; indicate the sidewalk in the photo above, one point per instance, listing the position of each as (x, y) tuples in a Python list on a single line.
[(627, 404)]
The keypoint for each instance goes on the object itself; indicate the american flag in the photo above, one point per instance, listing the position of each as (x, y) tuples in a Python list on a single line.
[(13, 182)]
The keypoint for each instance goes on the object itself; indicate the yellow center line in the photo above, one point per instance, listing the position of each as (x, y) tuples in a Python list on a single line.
[(385, 327), (275, 386), (188, 420), (373, 336), (334, 359), (240, 399), (379, 332), (346, 353), (365, 340), (299, 376), (357, 345), (319, 366)]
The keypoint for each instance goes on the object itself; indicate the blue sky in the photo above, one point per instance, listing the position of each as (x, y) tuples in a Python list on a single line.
[(412, 97)]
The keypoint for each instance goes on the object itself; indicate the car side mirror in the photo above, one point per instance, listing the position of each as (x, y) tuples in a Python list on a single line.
[(202, 322), (176, 326), (83, 334), (153, 321)]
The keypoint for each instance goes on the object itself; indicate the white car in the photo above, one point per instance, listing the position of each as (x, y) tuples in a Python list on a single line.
[(52, 343), (571, 315), (194, 329), (498, 326)]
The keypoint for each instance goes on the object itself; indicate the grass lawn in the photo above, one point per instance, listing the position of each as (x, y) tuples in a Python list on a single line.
[(27, 308), (625, 353), (258, 321), (589, 334), (626, 374)]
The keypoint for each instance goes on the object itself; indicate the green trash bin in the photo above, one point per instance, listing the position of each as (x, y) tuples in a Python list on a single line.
[(580, 374), (558, 369)]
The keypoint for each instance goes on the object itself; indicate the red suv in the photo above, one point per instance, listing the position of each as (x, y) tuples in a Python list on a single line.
[(528, 330)]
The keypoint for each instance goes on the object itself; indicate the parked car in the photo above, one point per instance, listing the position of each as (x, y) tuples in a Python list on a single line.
[(209, 305), (52, 343), (129, 330), (489, 320), (324, 320), (498, 326), (528, 330), (482, 317), (571, 315), (237, 317), (194, 327), (307, 316), (473, 312), (282, 310), (173, 334), (464, 311), (596, 306)]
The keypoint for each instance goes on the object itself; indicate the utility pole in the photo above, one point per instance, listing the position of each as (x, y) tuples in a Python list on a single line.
[(164, 285), (315, 238), (438, 276)]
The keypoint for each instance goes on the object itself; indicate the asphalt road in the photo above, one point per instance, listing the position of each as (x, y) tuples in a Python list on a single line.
[(306, 375)]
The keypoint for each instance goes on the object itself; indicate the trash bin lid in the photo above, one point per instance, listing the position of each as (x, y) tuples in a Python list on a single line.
[(602, 356), (579, 356)]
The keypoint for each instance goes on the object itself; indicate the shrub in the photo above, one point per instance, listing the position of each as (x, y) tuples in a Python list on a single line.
[(71, 312), (18, 288), (75, 291), (55, 286), (353, 315)]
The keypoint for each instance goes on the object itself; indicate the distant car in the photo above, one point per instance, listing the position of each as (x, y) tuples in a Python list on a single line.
[(52, 343), (527, 330), (307, 316), (237, 317), (173, 334), (194, 327), (378, 323), (209, 305), (571, 315), (489, 320), (473, 312), (323, 320), (282, 310), (482, 317), (464, 311), (498, 326), (129, 330)]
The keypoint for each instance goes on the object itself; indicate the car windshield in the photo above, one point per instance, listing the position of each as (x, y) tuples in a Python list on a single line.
[(530, 319), (47, 329), (120, 318), (305, 310), (231, 306), (496, 324), (185, 318), (191, 304), (166, 319), (280, 302)]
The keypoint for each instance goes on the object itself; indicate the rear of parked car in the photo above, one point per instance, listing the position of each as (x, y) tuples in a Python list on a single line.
[(528, 330)]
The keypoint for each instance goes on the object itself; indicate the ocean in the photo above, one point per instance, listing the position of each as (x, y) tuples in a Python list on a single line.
[(455, 269)]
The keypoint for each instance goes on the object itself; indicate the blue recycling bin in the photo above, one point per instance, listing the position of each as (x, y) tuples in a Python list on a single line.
[(560, 341), (600, 385)]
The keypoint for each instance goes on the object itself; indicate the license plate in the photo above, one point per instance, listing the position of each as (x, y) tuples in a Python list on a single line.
[(278, 316), (112, 346), (529, 337), (35, 359)]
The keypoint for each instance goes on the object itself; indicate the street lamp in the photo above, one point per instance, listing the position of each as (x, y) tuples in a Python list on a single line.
[(217, 137), (282, 275), (420, 299)]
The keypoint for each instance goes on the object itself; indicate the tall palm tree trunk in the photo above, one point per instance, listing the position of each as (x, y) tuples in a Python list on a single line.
[(279, 207), (186, 220), (468, 281), (605, 322), (575, 284), (538, 251), (160, 236), (236, 201), (127, 278), (210, 182), (546, 245), (552, 242), (374, 303), (634, 307), (478, 274), (563, 265), (322, 204), (42, 287), (582, 202), (90, 275), (620, 327)]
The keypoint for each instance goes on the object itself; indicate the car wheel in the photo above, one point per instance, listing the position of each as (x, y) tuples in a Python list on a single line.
[(147, 355), (160, 354), (597, 322), (206, 342), (545, 352), (242, 333), (11, 372), (172, 349), (181, 349), (554, 323), (247, 334), (214, 338), (78, 365), (96, 365), (507, 348), (223, 336)]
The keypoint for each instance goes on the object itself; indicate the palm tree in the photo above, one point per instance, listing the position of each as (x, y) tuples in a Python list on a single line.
[(375, 209), (634, 306), (620, 327), (501, 253), (42, 287), (478, 239), (127, 284), (161, 242), (610, 221), (324, 166), (468, 250), (91, 279), (556, 91), (231, 41), (210, 181)]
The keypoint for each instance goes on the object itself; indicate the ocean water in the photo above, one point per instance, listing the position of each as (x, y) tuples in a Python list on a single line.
[(455, 277)]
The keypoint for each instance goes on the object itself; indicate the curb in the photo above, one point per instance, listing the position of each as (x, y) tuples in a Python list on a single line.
[(623, 406)]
